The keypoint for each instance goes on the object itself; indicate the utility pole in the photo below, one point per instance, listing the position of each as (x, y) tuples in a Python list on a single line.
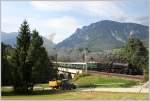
[(85, 61), (56, 57)]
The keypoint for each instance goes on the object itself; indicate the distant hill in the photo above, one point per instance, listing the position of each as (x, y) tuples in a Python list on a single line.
[(105, 35), (10, 38)]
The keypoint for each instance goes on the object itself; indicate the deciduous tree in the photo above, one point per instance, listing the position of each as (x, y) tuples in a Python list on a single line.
[(137, 54)]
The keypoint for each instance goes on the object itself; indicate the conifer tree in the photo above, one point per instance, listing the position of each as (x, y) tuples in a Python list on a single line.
[(30, 61), (42, 69), (22, 70), (5, 65)]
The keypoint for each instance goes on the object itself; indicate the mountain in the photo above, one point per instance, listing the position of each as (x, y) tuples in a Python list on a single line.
[(105, 34), (10, 38)]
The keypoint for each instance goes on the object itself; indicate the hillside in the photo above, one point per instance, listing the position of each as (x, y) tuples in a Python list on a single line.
[(104, 35), (9, 38)]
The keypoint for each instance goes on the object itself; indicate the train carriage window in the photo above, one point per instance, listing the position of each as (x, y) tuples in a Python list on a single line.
[(82, 66), (77, 66)]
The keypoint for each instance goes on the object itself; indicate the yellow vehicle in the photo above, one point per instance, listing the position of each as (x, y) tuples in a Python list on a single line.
[(55, 83), (63, 84)]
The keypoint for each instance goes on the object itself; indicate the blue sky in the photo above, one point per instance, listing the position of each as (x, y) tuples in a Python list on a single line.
[(58, 20)]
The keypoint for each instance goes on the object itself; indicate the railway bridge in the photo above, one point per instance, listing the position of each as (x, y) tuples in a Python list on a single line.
[(69, 73), (70, 69)]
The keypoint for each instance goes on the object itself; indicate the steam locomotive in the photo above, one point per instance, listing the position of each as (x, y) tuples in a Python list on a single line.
[(121, 68)]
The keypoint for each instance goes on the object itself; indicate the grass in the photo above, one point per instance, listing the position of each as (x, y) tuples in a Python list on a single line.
[(6, 89), (104, 81), (74, 95), (44, 85)]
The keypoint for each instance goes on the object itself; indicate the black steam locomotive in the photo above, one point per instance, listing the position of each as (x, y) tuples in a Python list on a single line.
[(121, 68)]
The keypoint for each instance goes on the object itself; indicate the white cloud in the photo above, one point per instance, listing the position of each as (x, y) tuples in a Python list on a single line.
[(111, 10), (103, 9), (50, 5), (63, 27), (91, 8), (65, 23), (144, 20)]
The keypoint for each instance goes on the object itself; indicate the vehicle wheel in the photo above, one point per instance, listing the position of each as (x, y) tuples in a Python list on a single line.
[(74, 87), (57, 87), (70, 87)]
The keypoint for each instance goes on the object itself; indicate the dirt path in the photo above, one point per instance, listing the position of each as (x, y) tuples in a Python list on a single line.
[(131, 90), (136, 89)]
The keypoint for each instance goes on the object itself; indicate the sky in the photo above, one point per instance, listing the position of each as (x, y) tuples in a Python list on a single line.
[(57, 20)]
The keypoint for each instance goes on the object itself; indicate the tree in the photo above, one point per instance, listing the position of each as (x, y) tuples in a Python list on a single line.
[(42, 69), (29, 61), (5, 64), (22, 70), (137, 54)]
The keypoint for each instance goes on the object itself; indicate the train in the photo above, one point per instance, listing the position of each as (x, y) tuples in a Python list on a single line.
[(112, 67), (121, 68)]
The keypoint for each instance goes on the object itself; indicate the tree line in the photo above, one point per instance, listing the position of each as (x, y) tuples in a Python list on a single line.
[(27, 63)]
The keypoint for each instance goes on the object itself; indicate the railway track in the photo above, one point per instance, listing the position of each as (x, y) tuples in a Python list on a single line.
[(132, 77)]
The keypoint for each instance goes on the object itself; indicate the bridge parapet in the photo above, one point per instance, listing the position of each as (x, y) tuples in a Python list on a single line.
[(73, 71)]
